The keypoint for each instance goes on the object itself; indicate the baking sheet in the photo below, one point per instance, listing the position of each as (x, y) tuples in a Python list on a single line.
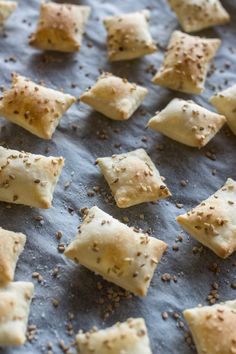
[(79, 139)]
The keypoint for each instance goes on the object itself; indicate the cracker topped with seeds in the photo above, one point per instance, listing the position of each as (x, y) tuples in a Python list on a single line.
[(15, 299), (225, 103), (199, 14), (186, 63), (116, 252), (128, 337), (11, 246), (212, 222), (213, 327), (133, 178), (128, 36), (36, 108), (27, 178), (187, 123), (115, 97), (60, 27)]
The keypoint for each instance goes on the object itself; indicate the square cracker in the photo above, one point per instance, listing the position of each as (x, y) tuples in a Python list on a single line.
[(199, 14), (11, 246), (128, 36), (187, 122), (114, 97), (186, 63), (212, 222), (116, 252), (133, 178), (213, 328), (15, 300), (60, 27), (128, 337)]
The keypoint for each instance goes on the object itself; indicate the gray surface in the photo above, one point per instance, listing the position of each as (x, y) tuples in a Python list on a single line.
[(76, 287)]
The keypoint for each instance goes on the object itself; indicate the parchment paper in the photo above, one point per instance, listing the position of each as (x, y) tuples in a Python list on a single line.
[(79, 140)]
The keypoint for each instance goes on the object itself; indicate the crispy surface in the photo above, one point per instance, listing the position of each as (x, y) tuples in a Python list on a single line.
[(129, 337), (128, 36), (115, 97), (213, 328), (60, 27), (15, 300), (27, 178), (115, 251), (36, 108), (11, 246), (187, 123), (186, 63), (213, 221)]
